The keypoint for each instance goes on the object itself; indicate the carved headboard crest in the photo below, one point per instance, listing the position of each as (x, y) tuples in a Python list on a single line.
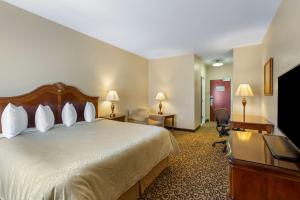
[(55, 95)]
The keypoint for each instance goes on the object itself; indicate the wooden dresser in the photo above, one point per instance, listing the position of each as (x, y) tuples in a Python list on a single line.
[(255, 174)]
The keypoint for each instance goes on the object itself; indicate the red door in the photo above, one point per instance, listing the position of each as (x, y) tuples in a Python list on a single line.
[(220, 92)]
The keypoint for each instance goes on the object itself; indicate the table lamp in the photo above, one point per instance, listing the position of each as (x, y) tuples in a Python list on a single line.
[(160, 97), (244, 90), (112, 96)]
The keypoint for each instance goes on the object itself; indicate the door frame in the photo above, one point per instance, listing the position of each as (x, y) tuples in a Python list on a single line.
[(203, 102)]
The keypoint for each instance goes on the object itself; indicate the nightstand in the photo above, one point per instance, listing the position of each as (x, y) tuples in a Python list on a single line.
[(120, 118)]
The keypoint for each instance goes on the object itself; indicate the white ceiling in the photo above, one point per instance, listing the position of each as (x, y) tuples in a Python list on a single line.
[(161, 28)]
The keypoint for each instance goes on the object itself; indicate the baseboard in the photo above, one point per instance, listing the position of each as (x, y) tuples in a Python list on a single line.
[(196, 129), (185, 129)]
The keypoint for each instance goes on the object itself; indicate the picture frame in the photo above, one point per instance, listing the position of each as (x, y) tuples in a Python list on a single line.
[(268, 78)]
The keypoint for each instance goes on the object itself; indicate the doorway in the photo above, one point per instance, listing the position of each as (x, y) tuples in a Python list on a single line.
[(220, 96)]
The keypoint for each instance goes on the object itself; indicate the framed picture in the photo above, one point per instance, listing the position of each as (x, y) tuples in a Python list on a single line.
[(268, 78)]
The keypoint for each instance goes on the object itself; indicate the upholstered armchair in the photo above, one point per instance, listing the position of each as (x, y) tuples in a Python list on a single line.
[(141, 116)]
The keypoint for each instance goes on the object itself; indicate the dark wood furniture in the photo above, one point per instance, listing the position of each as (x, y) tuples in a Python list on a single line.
[(255, 174), (165, 117), (251, 122), (55, 95), (120, 118)]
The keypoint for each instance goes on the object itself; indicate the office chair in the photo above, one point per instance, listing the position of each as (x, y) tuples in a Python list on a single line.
[(222, 117)]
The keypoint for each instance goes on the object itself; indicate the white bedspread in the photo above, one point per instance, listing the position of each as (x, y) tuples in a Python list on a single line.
[(99, 160)]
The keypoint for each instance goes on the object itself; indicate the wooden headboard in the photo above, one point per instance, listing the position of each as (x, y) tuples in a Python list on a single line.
[(55, 95)]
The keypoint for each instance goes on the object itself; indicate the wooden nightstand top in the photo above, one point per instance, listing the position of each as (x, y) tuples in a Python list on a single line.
[(163, 115), (120, 118)]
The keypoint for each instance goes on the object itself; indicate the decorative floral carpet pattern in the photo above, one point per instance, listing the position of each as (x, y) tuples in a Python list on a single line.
[(200, 171)]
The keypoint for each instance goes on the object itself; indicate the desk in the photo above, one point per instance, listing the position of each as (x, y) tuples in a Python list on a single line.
[(255, 174), (120, 118), (252, 122), (166, 116)]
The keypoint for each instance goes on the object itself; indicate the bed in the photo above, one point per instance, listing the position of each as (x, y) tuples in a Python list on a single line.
[(103, 159)]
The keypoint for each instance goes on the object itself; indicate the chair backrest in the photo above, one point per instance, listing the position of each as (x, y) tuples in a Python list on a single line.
[(222, 116), (138, 114)]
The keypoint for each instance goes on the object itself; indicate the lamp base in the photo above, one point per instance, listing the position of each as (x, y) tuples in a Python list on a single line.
[(244, 102), (112, 115), (160, 107)]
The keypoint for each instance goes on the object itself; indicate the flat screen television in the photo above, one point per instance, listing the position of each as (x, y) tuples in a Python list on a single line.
[(289, 105)]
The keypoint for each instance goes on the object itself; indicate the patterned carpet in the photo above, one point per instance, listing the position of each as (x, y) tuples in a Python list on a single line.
[(198, 172)]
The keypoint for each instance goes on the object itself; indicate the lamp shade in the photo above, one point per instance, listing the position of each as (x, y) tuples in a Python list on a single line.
[(160, 96), (244, 90), (112, 95)]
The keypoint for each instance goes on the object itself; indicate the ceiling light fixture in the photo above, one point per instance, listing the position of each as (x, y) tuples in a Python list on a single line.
[(218, 63)]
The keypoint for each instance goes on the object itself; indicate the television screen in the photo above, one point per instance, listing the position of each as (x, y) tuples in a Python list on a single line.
[(289, 105)]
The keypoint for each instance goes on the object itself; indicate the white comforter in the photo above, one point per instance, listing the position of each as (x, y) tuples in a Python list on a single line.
[(98, 160)]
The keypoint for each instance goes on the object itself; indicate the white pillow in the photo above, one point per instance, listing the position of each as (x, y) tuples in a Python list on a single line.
[(44, 118), (14, 120), (69, 115), (89, 112)]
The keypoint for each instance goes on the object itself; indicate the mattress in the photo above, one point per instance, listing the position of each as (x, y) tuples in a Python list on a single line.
[(98, 160)]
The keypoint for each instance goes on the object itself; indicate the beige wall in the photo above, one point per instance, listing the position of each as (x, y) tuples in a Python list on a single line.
[(215, 73), (247, 69), (282, 42), (35, 51), (176, 77)]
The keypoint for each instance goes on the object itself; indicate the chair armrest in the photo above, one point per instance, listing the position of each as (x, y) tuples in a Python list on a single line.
[(156, 118), (225, 125), (137, 122), (159, 119)]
